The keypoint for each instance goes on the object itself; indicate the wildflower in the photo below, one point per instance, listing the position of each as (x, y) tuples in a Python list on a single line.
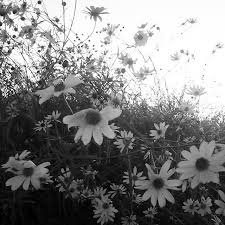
[(86, 193), (29, 173), (12, 110), (150, 212), (143, 26), (43, 125), (75, 188), (175, 57), (104, 210), (99, 191), (116, 100), (95, 12), (187, 107), (126, 60), (158, 184), (65, 178), (140, 38), (59, 87), (117, 190), (124, 140), (201, 165), (204, 206), (221, 204), (54, 117), (160, 131), (114, 127), (91, 122), (91, 67), (110, 30), (190, 206), (143, 73), (196, 91), (129, 220), (216, 220), (135, 176)]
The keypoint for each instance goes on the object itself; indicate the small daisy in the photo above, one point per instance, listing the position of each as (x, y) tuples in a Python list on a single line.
[(140, 38), (160, 131), (75, 188), (59, 87), (117, 190), (196, 91), (104, 210), (137, 198), (43, 125), (150, 212), (95, 12), (204, 206), (126, 60), (135, 176), (143, 73), (190, 206), (221, 204), (99, 191), (91, 122), (125, 139), (201, 165), (65, 178), (30, 173), (110, 30), (158, 184), (129, 220), (187, 107), (54, 116)]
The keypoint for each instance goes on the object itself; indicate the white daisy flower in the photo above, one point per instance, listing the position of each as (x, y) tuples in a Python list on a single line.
[(201, 165), (196, 91), (204, 206), (150, 212), (30, 173), (160, 131), (158, 184), (221, 204), (54, 116), (191, 206), (59, 87), (91, 122), (135, 176), (140, 38), (129, 220), (42, 125), (117, 190), (104, 210)]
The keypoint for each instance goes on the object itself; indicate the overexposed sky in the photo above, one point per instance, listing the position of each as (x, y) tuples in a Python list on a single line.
[(199, 39)]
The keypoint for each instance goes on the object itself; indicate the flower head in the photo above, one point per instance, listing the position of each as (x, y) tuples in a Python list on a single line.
[(143, 73), (43, 125), (221, 204), (190, 206), (140, 38), (196, 91), (135, 176), (204, 206), (126, 60), (95, 12), (160, 130), (187, 107), (91, 122), (150, 212), (201, 164), (54, 116), (59, 87), (129, 220), (158, 184), (117, 189), (65, 179)]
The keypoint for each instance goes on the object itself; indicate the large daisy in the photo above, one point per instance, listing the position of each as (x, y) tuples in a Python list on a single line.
[(201, 164), (158, 184), (59, 87), (91, 122), (30, 173)]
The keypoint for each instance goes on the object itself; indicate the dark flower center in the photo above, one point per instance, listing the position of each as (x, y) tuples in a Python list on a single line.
[(93, 117), (59, 87), (94, 95), (105, 205), (140, 37), (116, 101), (159, 132), (66, 180), (42, 179), (203, 206), (202, 164), (110, 33), (28, 172), (186, 109), (135, 177), (130, 62), (72, 190), (158, 183), (42, 124)]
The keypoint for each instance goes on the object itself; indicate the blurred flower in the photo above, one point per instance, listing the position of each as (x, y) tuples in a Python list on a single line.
[(117, 190), (143, 73), (59, 87), (99, 191), (91, 122), (42, 125), (135, 176), (116, 100), (104, 210), (110, 30), (187, 107), (54, 117), (160, 131), (158, 184), (150, 212), (143, 26), (175, 57), (204, 206), (196, 91), (129, 220), (75, 188), (95, 12), (140, 38), (65, 178), (216, 220), (221, 204), (28, 173), (190, 206), (201, 165), (12, 110), (126, 60), (125, 139)]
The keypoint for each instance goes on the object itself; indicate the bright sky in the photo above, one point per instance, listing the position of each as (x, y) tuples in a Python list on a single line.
[(200, 38)]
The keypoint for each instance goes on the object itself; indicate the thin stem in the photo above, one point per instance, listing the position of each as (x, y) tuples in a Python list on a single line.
[(64, 97)]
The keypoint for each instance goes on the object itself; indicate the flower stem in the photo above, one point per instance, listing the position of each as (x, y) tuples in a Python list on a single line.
[(68, 104)]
